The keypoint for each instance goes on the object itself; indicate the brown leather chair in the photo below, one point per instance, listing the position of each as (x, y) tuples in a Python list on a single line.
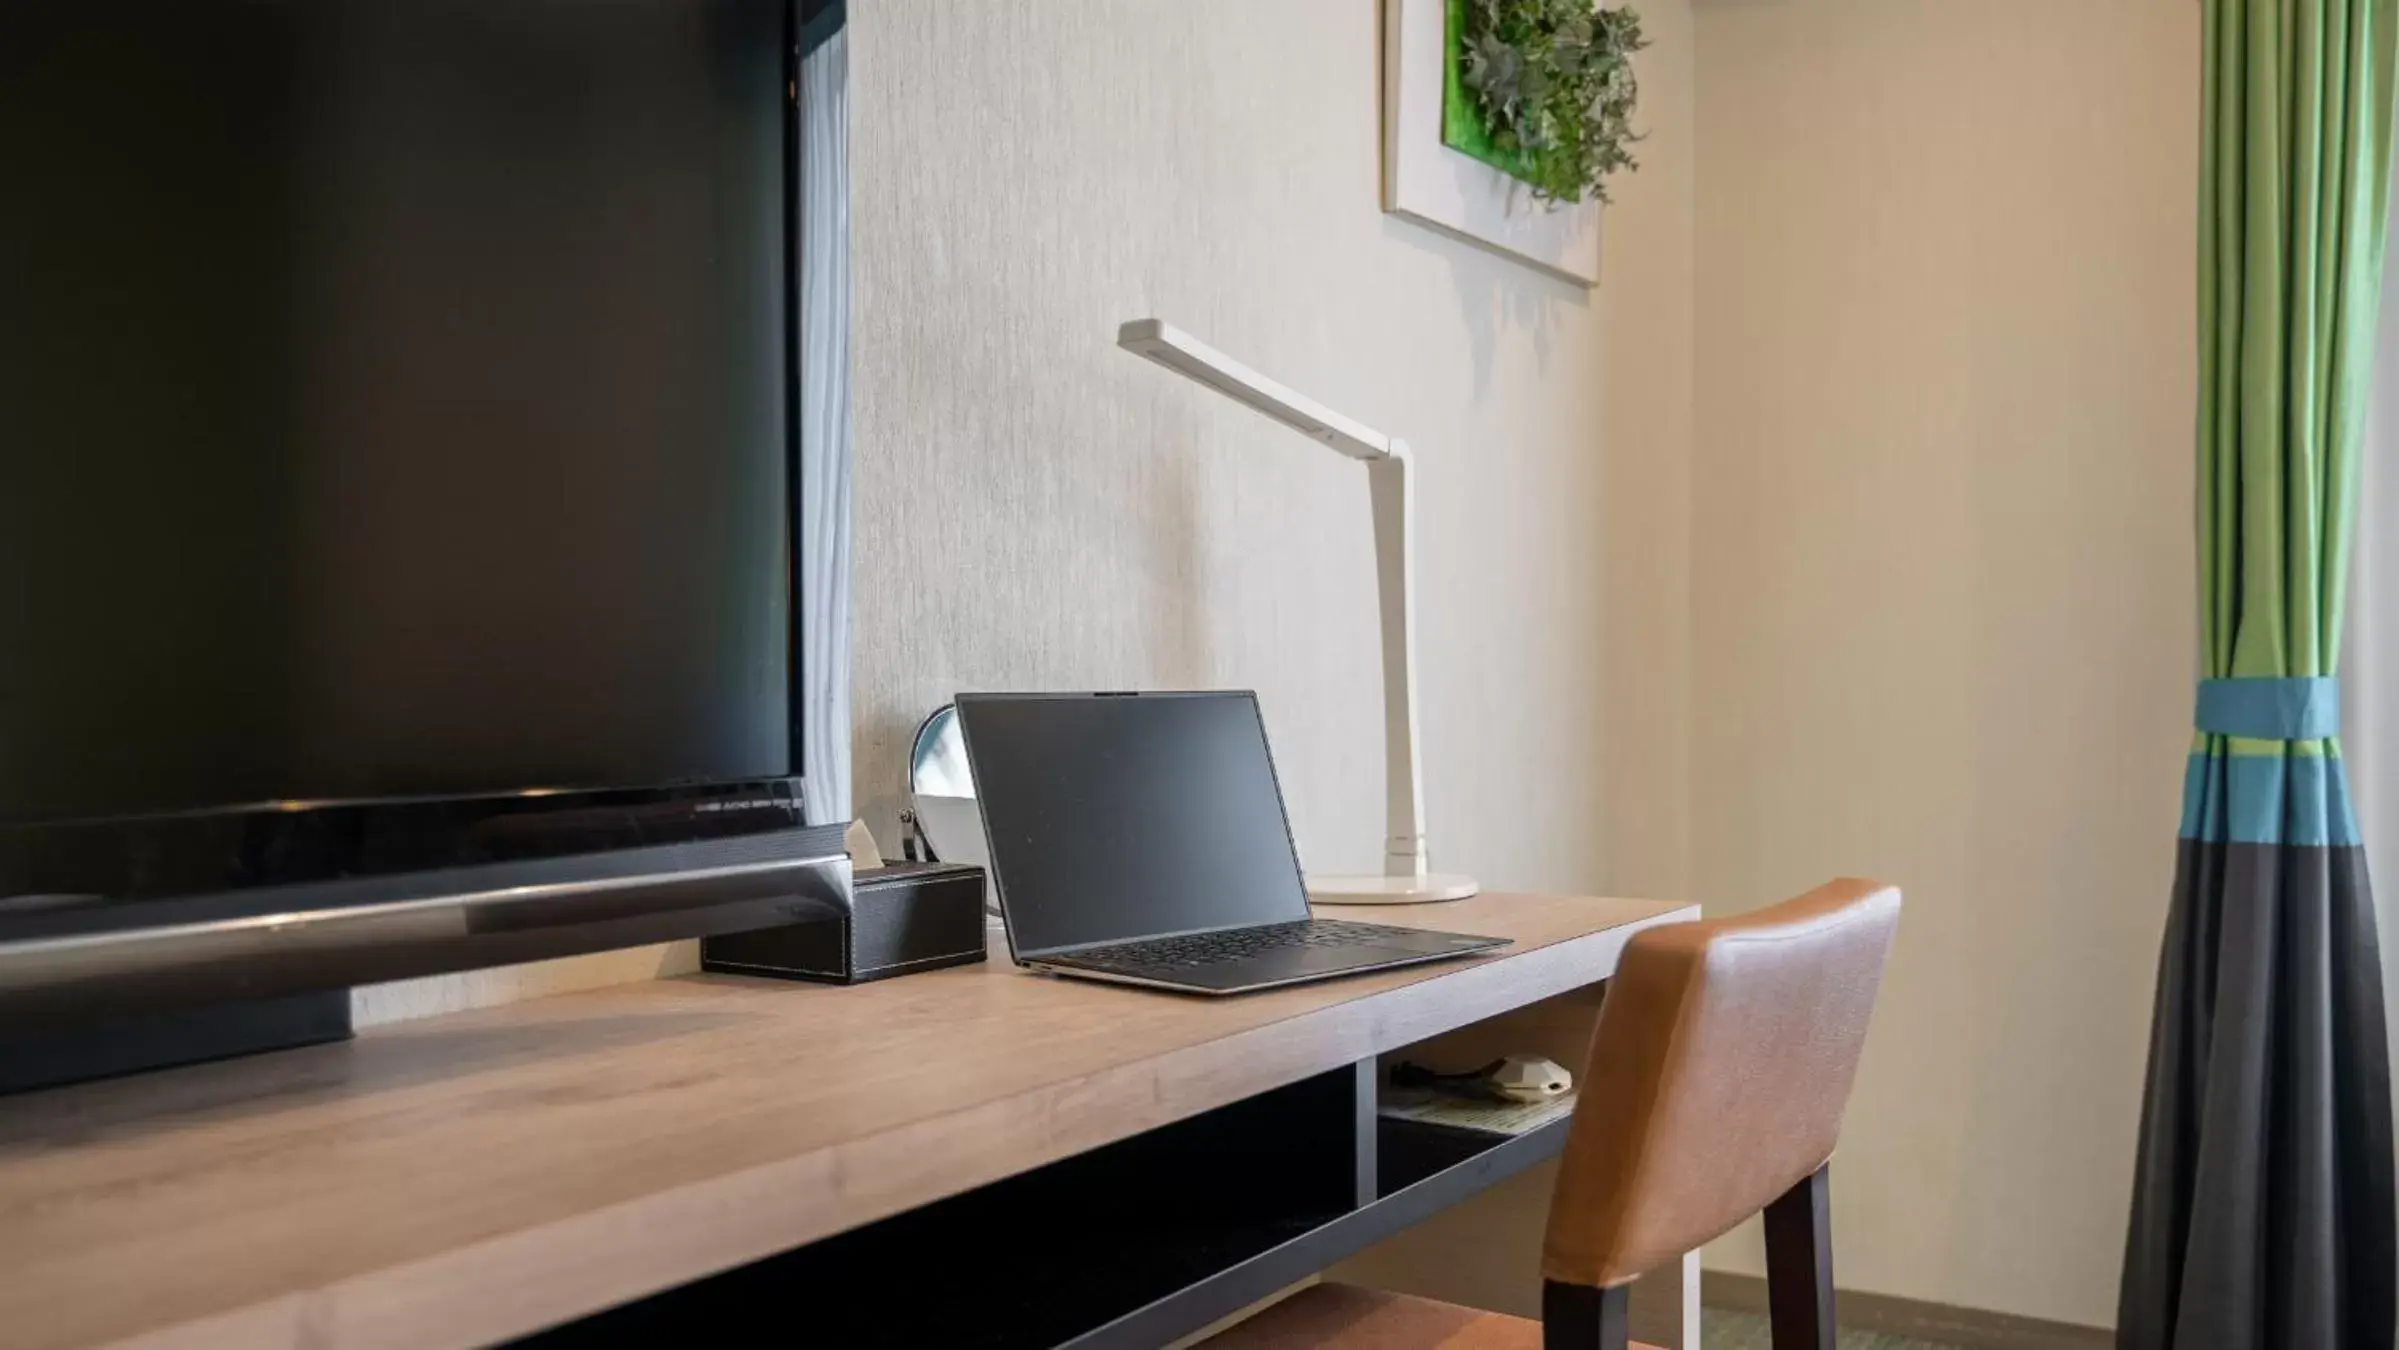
[(1717, 1078)]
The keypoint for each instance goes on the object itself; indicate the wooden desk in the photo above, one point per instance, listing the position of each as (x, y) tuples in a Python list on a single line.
[(473, 1177)]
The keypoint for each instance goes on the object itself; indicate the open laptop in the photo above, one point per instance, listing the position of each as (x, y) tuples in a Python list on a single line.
[(1141, 838)]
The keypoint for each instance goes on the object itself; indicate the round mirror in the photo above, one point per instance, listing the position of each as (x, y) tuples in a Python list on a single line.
[(938, 763), (941, 789)]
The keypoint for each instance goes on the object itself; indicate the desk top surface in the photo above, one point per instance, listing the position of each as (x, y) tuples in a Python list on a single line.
[(475, 1176)]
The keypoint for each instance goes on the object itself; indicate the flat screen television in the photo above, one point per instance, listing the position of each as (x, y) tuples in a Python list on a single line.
[(422, 488)]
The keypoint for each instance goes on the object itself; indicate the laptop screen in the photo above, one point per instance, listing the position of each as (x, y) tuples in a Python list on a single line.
[(1112, 817)]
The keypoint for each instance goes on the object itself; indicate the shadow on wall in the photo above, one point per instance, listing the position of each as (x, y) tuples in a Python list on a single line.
[(1521, 297)]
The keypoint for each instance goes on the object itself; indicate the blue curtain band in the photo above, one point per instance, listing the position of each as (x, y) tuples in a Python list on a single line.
[(2292, 800), (2304, 708)]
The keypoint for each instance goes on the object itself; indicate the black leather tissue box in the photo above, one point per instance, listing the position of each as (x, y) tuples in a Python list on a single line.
[(903, 918)]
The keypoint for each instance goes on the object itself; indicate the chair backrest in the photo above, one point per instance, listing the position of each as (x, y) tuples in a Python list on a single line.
[(1718, 1074)]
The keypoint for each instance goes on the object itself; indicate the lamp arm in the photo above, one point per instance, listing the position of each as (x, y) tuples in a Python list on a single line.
[(1390, 478), (1392, 486)]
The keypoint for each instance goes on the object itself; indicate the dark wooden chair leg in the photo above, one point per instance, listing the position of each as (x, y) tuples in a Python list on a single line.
[(1578, 1317), (1799, 1264)]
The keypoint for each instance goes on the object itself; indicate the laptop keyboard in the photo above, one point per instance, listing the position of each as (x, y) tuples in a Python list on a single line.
[(1194, 950)]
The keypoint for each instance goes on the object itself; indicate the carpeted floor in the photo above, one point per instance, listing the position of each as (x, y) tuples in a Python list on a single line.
[(1742, 1331)]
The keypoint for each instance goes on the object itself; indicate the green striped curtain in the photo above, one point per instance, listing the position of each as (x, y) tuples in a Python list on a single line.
[(2263, 1209)]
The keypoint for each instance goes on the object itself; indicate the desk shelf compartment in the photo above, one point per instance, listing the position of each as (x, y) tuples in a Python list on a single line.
[(1126, 1248)]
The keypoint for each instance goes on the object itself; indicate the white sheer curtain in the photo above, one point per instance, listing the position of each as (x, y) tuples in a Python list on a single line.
[(824, 467)]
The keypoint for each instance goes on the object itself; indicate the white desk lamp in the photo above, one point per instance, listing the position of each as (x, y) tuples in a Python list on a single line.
[(1405, 879)]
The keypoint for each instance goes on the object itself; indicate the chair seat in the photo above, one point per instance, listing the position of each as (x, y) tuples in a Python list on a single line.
[(1345, 1317)]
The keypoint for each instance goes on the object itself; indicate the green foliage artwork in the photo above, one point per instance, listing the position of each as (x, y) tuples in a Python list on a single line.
[(1543, 91)]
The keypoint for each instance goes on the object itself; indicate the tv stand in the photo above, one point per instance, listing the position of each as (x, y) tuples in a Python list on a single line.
[(163, 1040)]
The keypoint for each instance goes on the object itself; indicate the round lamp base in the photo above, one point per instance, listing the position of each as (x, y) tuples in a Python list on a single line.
[(1372, 890)]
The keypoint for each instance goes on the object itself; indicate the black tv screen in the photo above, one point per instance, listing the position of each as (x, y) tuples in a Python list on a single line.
[(400, 445), (394, 399)]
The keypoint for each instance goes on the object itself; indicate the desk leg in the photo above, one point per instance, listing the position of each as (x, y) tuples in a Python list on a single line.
[(1365, 1132), (1666, 1305)]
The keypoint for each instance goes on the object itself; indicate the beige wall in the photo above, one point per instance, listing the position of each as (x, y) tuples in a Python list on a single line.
[(1942, 581)]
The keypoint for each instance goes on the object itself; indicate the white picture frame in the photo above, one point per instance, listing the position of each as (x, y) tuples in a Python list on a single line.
[(1427, 182)]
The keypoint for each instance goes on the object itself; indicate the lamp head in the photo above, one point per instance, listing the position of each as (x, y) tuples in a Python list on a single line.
[(1187, 356)]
